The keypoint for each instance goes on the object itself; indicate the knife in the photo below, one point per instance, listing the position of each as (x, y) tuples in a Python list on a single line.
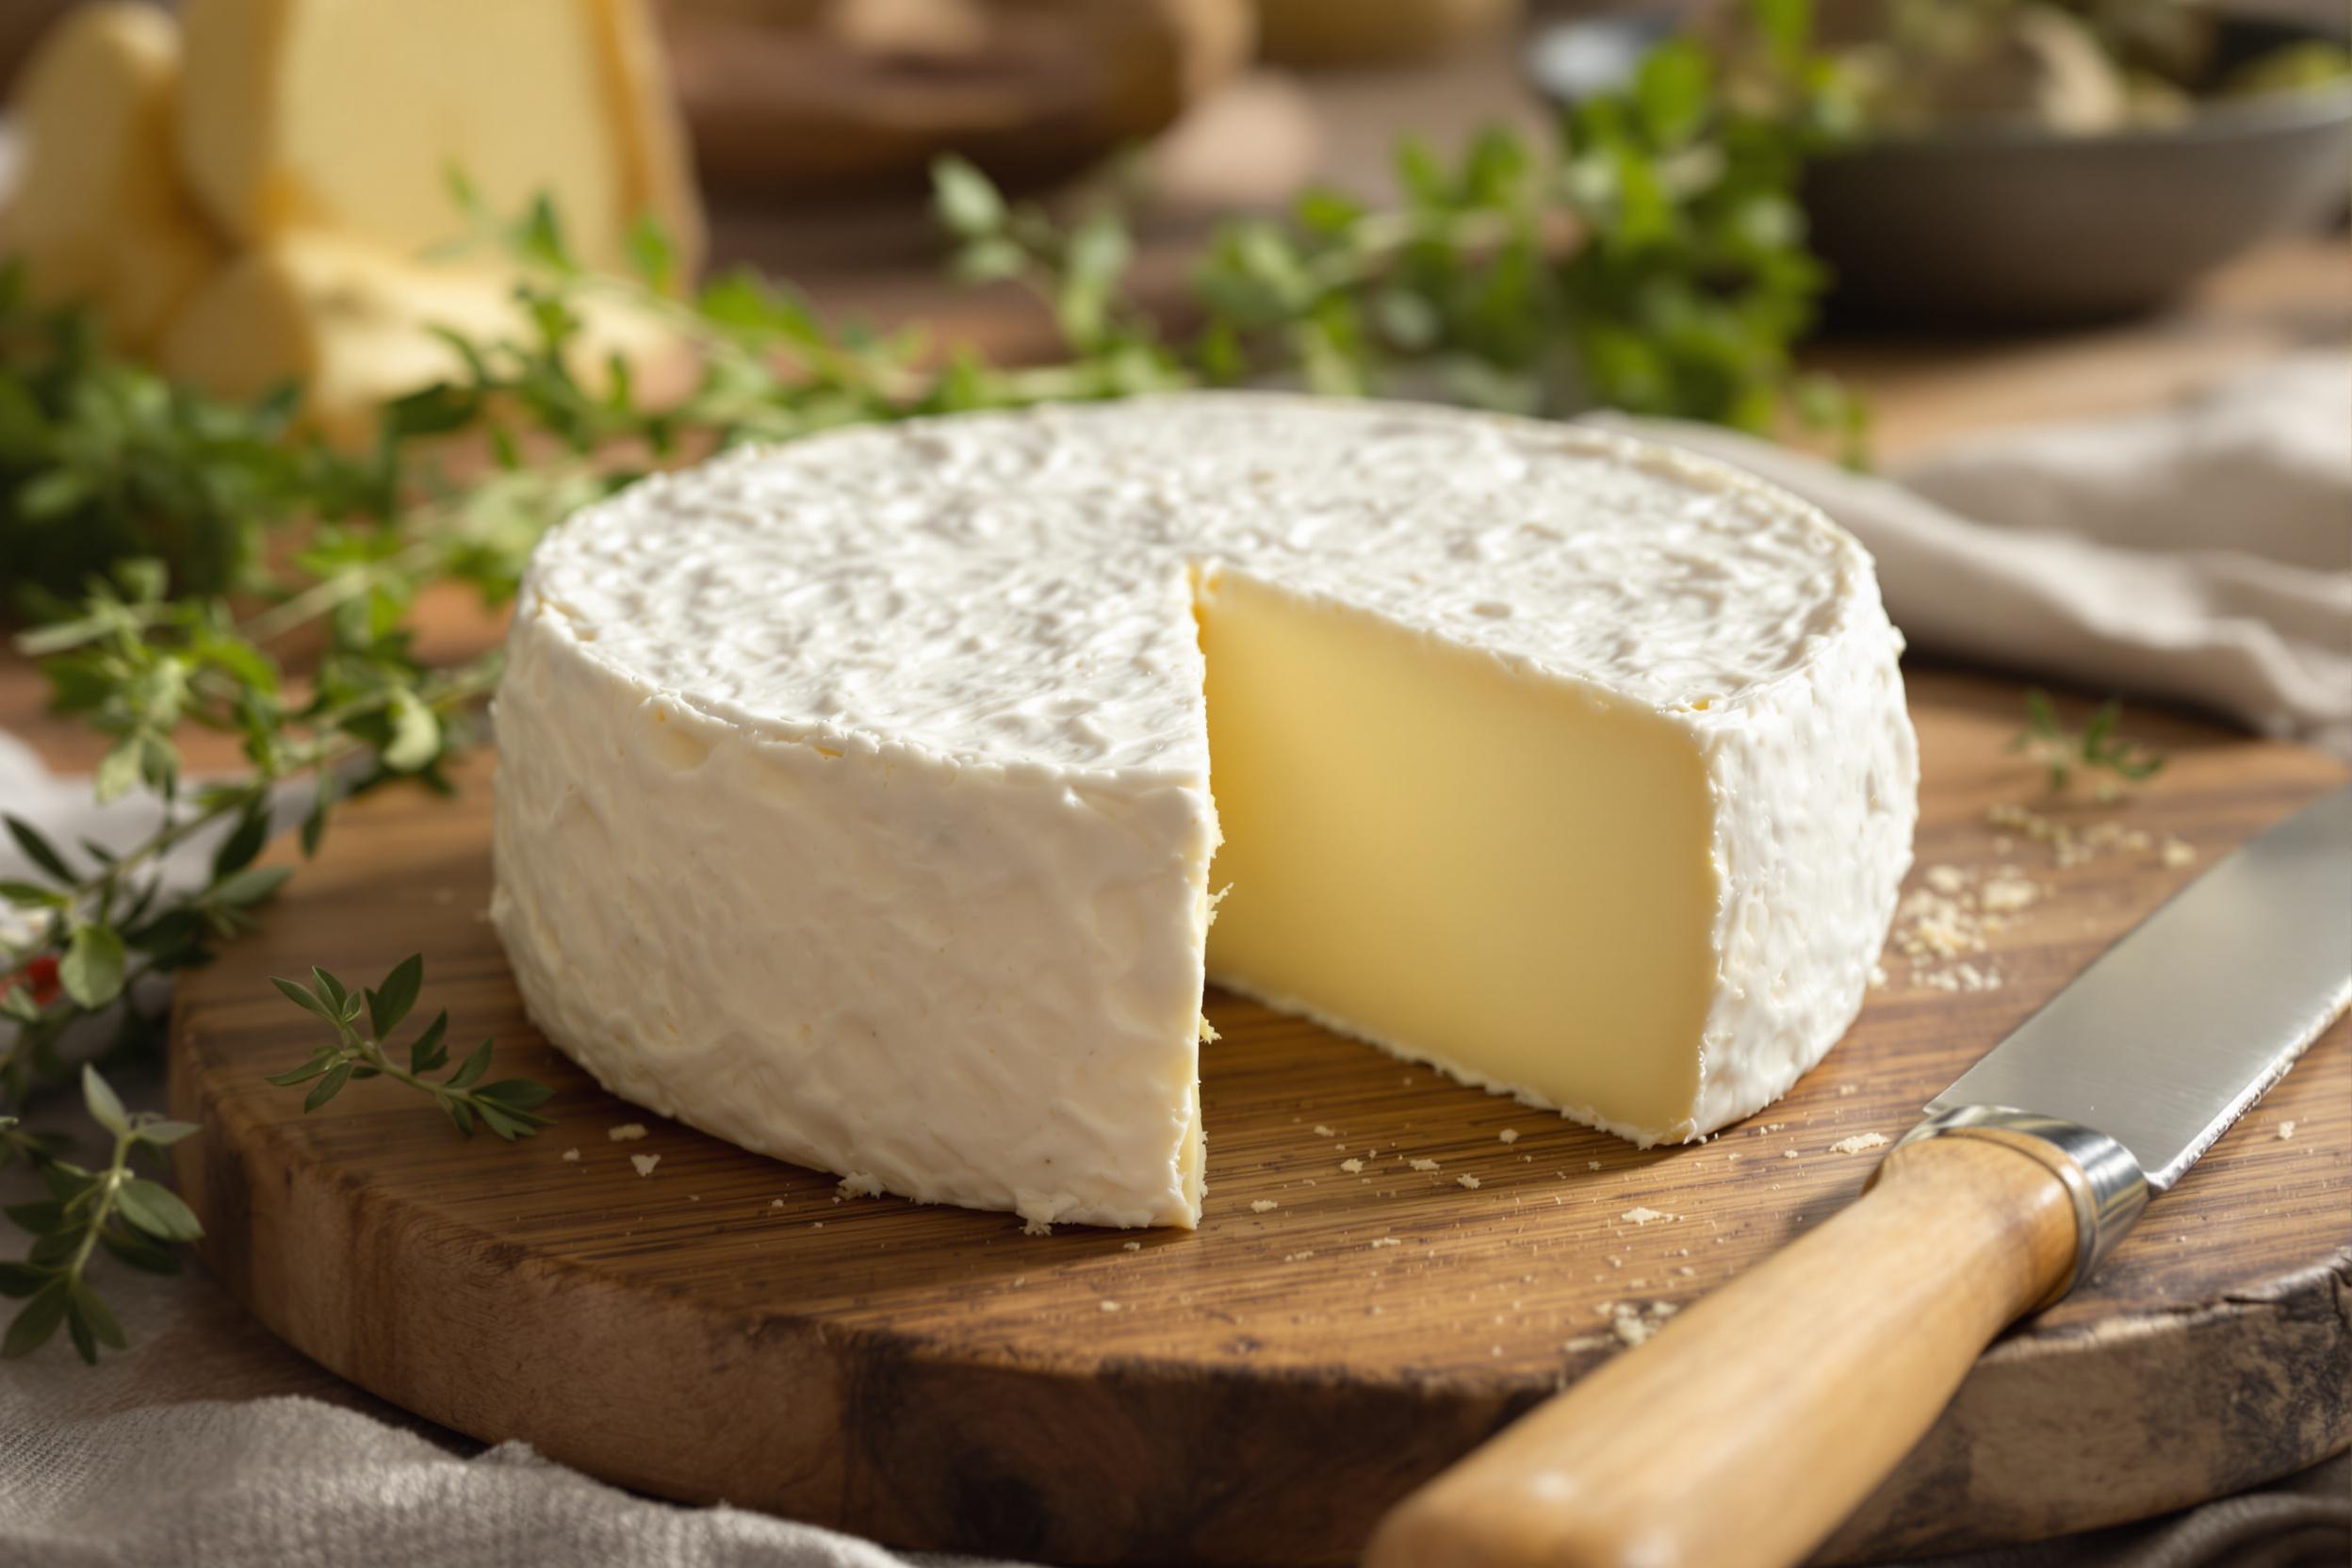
[(1753, 1422)]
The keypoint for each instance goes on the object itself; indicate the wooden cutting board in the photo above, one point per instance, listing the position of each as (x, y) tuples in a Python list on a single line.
[(1255, 1392)]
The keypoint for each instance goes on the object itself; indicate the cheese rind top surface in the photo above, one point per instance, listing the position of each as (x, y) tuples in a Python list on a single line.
[(996, 589)]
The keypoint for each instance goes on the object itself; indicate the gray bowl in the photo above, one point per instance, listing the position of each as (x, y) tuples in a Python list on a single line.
[(2016, 226)]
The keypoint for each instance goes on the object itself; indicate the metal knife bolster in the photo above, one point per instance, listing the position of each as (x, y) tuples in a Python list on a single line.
[(2106, 1183)]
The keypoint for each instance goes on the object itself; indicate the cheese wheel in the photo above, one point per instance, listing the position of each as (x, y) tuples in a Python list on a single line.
[(867, 801)]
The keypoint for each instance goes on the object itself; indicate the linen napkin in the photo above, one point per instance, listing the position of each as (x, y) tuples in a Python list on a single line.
[(2202, 554)]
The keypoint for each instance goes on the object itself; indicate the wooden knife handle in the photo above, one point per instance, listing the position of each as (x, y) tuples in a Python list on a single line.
[(1757, 1420)]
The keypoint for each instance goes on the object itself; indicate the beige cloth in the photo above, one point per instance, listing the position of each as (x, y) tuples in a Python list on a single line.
[(2199, 554)]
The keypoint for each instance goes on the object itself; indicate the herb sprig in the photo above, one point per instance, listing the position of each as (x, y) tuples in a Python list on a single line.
[(506, 1107), (2095, 748), (135, 1219)]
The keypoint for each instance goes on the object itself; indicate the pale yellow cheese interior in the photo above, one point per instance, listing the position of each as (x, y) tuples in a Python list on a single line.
[(1498, 872)]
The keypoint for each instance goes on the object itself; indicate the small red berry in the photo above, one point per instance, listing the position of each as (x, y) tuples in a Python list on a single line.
[(39, 977)]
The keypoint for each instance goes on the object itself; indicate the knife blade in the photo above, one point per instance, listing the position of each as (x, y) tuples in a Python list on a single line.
[(2166, 1039), (1743, 1433)]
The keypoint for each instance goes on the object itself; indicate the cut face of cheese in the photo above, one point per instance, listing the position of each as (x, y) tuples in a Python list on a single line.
[(864, 801), (329, 116), (1509, 876), (99, 217), (354, 324)]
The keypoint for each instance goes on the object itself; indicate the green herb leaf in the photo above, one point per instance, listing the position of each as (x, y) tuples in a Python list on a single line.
[(427, 1052), (106, 1108), (517, 1094), (253, 885), (38, 850), (967, 200), (36, 1320), (304, 1074), (156, 1210), (391, 1002), (301, 997), (98, 1317), (474, 1065), (329, 1087), (238, 849), (92, 968)]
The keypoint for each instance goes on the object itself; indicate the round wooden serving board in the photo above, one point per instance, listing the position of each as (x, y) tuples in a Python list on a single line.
[(1255, 1392)]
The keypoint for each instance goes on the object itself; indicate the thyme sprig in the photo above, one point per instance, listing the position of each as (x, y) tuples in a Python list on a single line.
[(506, 1107), (134, 1219), (2095, 748)]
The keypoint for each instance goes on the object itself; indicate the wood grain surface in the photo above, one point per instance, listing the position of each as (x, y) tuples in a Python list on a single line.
[(1259, 1390), (1827, 1361)]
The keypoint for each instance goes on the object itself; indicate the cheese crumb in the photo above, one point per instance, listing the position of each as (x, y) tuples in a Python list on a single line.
[(627, 1132), (1592, 1165), (1423, 1165), (1323, 1132), (1352, 1167), (1643, 1217), (1207, 1031), (572, 1155), (1037, 1226), (775, 1203), (1263, 1205), (644, 1163), (1131, 1246), (1585, 1342), (1295, 1257), (1788, 1153), (1108, 1306), (859, 1184), (1959, 977), (1470, 1182), (1859, 1142), (2176, 854), (2286, 1131), (1509, 1135), (2006, 895), (1632, 1330), (1386, 1241)]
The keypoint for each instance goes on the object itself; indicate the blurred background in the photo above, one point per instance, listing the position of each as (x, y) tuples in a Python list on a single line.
[(1995, 168)]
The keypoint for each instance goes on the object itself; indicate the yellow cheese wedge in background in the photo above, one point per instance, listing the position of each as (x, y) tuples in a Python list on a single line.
[(353, 323), (99, 217), (348, 118)]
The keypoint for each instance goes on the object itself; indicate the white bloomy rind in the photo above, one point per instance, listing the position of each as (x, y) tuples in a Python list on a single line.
[(854, 796)]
